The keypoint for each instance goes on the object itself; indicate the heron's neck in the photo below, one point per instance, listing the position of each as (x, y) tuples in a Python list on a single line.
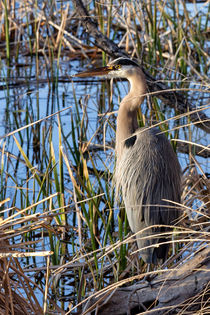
[(127, 114)]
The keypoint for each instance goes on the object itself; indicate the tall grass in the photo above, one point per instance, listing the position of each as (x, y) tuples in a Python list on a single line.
[(60, 224)]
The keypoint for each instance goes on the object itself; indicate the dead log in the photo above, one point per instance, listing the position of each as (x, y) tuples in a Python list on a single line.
[(184, 290)]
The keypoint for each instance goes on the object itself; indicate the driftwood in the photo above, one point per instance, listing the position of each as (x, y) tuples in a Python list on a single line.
[(170, 98), (182, 290)]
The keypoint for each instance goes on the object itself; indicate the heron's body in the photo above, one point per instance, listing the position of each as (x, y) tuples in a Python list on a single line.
[(147, 169), (148, 178)]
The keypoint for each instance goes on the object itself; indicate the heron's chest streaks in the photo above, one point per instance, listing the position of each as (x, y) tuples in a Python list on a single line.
[(133, 167)]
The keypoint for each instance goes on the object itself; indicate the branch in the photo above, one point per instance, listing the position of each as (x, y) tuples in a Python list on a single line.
[(184, 148), (173, 99), (102, 41), (171, 292)]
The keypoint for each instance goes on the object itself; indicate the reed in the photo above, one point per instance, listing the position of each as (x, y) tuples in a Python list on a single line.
[(6, 25)]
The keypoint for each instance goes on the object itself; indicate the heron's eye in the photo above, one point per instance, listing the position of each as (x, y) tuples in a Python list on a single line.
[(117, 67)]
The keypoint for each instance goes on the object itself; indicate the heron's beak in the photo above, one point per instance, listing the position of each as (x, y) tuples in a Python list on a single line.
[(102, 71)]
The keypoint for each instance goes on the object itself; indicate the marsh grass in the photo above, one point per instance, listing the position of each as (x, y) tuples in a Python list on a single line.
[(63, 237)]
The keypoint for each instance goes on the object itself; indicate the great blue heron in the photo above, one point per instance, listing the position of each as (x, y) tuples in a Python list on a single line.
[(147, 169)]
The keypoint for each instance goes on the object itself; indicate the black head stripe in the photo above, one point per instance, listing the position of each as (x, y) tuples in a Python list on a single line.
[(124, 62)]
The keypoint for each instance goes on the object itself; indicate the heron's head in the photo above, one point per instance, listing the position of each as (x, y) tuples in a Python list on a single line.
[(118, 68)]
